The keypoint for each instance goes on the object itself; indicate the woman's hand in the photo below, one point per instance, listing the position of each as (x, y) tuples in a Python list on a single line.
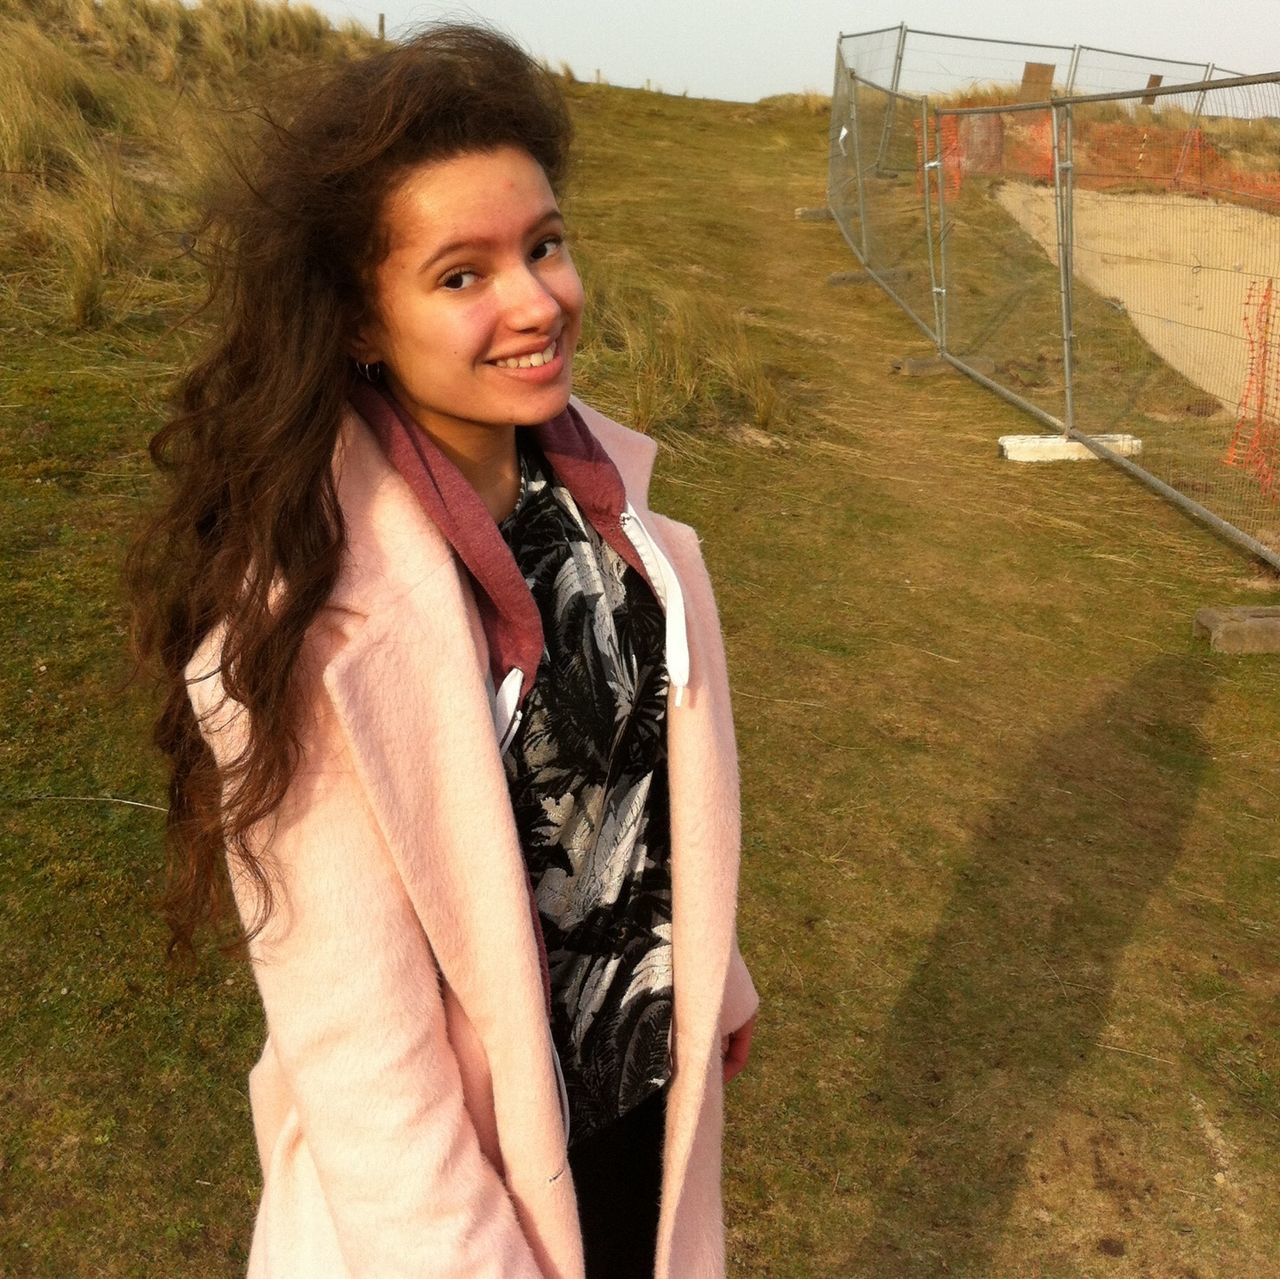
[(734, 1048)]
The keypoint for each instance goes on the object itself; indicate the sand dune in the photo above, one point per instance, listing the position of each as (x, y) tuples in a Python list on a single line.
[(1180, 266)]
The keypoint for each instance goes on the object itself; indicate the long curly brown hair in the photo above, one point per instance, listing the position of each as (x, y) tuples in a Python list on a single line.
[(250, 535)]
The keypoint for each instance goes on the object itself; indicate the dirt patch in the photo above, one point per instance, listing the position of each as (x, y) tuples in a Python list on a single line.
[(1179, 267)]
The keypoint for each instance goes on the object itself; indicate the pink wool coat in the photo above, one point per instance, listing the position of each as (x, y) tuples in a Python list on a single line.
[(406, 1106)]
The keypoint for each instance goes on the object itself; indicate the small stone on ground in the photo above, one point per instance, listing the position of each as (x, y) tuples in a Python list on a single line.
[(1243, 628)]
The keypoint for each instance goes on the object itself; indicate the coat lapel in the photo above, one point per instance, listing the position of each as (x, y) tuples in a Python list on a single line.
[(409, 688)]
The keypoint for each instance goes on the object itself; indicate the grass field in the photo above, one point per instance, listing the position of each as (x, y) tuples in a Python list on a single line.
[(1010, 878)]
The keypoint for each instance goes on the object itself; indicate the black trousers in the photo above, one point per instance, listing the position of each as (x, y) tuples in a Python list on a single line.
[(617, 1173)]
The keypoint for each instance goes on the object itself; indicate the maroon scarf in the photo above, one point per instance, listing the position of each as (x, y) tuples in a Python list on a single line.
[(512, 626)]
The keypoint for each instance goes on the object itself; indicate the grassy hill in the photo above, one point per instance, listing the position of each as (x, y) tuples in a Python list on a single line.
[(1010, 866)]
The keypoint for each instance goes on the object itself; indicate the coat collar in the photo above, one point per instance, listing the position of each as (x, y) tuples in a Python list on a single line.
[(399, 531), (632, 453)]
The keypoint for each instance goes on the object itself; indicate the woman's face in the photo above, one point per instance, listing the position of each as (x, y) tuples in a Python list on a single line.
[(478, 305)]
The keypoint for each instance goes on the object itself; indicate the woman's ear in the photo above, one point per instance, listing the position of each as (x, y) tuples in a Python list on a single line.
[(363, 347), (366, 342)]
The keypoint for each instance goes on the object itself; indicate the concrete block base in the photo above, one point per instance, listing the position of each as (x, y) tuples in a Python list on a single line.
[(814, 215), (983, 364), (1243, 629), (1057, 448)]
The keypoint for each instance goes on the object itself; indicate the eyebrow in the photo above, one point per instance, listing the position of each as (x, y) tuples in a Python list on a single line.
[(552, 215)]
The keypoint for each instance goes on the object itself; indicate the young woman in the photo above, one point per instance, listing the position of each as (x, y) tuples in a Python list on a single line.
[(451, 703)]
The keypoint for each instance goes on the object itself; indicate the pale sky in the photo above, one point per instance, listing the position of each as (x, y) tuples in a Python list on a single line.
[(748, 49)]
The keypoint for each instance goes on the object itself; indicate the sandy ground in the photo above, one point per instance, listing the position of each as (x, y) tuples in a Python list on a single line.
[(1181, 267)]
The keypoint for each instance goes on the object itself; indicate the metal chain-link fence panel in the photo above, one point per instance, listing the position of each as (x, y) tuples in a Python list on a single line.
[(961, 70), (843, 176), (1106, 71), (877, 189), (1175, 257), (872, 55), (1111, 261), (1003, 284)]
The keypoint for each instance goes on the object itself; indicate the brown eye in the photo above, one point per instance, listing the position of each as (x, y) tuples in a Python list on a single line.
[(458, 279)]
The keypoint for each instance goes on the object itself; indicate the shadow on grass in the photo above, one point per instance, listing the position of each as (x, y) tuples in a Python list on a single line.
[(1011, 996)]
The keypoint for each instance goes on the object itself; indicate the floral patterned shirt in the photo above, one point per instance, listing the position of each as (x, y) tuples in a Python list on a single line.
[(587, 773)]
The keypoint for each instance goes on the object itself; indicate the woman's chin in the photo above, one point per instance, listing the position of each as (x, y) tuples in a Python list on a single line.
[(550, 401)]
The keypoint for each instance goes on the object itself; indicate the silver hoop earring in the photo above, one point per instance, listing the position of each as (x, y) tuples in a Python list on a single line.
[(370, 372)]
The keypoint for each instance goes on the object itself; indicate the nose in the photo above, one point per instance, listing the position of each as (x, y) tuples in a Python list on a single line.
[(527, 302)]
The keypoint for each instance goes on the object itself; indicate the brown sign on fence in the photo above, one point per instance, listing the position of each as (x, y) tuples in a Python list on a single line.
[(1037, 82), (1153, 82)]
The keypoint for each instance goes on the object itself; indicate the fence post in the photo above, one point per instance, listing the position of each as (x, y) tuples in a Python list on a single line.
[(893, 100), (833, 136), (857, 166), (1195, 123), (1062, 199), (1071, 71), (382, 26), (940, 292), (929, 169)]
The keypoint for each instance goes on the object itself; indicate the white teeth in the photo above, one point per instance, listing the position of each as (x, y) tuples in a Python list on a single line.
[(534, 361)]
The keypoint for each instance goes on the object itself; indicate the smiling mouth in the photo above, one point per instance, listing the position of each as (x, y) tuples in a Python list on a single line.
[(534, 361)]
